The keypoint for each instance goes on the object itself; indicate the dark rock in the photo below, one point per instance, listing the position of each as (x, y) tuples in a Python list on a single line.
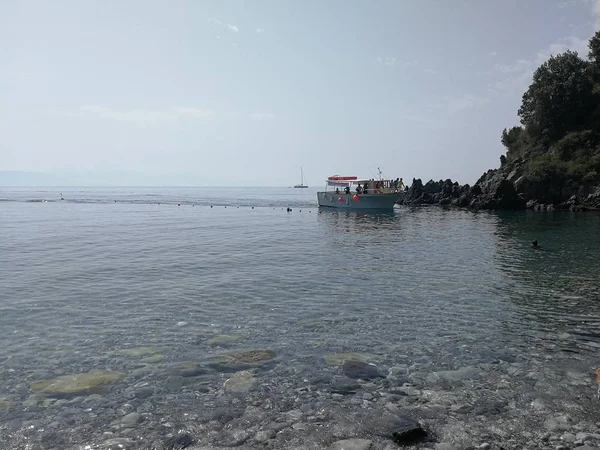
[(180, 441), (402, 430), (360, 369), (189, 369), (143, 392), (344, 386), (508, 187), (490, 408), (229, 367), (408, 432), (224, 415)]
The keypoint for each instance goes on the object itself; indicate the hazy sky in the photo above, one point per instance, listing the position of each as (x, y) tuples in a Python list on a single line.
[(246, 92)]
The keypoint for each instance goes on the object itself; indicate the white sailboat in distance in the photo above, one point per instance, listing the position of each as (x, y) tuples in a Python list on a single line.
[(302, 180)]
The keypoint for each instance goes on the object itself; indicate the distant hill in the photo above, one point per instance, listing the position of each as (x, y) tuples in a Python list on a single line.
[(99, 178), (15, 178)]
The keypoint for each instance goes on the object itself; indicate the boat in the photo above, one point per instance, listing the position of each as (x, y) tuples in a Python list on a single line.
[(302, 184), (350, 192)]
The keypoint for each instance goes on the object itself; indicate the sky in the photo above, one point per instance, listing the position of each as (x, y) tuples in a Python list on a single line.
[(245, 93)]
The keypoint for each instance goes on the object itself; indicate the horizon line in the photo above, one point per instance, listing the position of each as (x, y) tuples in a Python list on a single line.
[(142, 186)]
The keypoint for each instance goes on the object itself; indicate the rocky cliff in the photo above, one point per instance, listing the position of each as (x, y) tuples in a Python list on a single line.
[(508, 187)]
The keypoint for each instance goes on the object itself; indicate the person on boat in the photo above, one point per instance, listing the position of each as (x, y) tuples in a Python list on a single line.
[(358, 189), (347, 189), (366, 188), (337, 190), (400, 183)]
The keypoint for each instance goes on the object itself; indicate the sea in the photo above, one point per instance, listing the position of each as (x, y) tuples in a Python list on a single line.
[(166, 318)]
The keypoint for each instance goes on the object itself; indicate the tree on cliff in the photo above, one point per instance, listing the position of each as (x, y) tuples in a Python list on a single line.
[(560, 99), (594, 46)]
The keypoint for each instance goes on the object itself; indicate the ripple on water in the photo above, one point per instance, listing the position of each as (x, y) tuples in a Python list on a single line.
[(446, 314)]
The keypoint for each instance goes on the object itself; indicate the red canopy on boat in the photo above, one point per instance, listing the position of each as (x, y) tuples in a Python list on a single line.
[(341, 178)]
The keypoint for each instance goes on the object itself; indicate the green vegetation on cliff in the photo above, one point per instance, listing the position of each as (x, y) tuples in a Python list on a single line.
[(552, 158), (559, 137)]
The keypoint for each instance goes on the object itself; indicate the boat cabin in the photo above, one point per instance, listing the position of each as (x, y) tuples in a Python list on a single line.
[(350, 184)]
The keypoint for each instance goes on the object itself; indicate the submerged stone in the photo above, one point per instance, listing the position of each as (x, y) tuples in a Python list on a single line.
[(558, 423), (338, 359), (131, 420), (252, 355), (403, 430), (117, 444), (33, 400), (360, 369), (408, 432), (76, 384), (462, 374), (352, 444), (153, 359), (241, 360), (223, 339), (138, 352), (179, 441), (264, 435), (189, 369), (237, 438), (228, 366), (344, 386), (490, 408), (240, 382), (4, 403)]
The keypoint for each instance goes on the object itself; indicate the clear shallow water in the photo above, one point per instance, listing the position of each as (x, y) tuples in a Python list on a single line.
[(475, 333)]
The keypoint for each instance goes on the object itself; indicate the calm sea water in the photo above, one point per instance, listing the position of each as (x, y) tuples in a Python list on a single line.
[(452, 304)]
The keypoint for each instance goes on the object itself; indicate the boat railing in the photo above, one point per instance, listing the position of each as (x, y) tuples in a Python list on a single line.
[(373, 187), (368, 191)]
